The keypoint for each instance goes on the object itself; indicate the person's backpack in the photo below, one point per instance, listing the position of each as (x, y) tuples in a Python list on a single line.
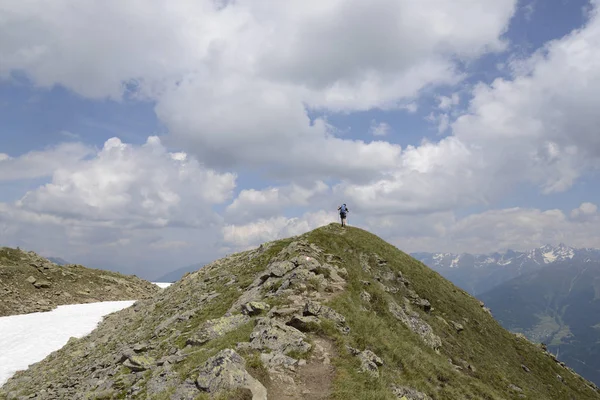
[(343, 209)]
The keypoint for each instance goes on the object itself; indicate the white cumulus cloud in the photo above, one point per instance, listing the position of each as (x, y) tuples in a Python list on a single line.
[(246, 236), (127, 185)]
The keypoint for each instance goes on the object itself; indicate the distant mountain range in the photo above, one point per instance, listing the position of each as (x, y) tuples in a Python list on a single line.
[(558, 305), (176, 275), (58, 260), (479, 273)]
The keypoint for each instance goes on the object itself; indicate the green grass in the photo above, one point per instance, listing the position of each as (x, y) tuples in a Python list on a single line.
[(496, 354), (9, 256)]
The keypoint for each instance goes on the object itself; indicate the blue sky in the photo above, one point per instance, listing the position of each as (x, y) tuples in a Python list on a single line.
[(246, 106)]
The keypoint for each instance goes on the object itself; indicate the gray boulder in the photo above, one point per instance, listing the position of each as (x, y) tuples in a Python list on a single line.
[(406, 393), (255, 308), (304, 323), (215, 328), (277, 336), (43, 284), (227, 371), (369, 362), (316, 309), (412, 320)]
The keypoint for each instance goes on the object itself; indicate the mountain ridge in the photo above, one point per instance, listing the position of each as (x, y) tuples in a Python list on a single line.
[(479, 273), (31, 283), (334, 313)]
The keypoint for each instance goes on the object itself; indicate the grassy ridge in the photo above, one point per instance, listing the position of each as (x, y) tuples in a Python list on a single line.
[(481, 361)]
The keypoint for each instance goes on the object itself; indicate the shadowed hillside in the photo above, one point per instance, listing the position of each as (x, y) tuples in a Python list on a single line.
[(558, 305)]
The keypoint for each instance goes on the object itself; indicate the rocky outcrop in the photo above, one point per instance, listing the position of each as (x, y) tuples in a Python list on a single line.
[(226, 371), (274, 335), (369, 362), (216, 328), (413, 321), (406, 393), (255, 308), (315, 309)]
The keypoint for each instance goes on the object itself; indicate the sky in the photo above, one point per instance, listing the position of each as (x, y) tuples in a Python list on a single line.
[(146, 136)]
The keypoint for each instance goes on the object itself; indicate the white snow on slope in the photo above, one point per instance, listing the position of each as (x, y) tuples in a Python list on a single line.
[(29, 338), (455, 262), (549, 257), (162, 284)]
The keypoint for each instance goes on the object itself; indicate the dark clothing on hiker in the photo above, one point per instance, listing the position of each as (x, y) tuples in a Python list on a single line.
[(343, 211)]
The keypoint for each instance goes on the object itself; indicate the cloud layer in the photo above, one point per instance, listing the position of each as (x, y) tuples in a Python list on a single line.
[(246, 86)]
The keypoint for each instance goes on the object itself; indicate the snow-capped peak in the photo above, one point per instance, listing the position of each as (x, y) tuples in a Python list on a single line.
[(559, 253), (545, 254)]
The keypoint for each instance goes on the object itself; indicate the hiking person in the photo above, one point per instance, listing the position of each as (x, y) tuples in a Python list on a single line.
[(343, 211)]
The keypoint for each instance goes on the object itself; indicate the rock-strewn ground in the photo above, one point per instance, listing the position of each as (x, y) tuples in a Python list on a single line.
[(335, 313), (30, 283)]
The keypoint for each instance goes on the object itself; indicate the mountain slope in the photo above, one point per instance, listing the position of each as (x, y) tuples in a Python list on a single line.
[(334, 313), (558, 305), (479, 273), (30, 283)]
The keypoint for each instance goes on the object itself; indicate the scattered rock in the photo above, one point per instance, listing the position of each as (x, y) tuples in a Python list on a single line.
[(412, 320), (140, 348), (43, 284), (283, 312), (139, 363), (274, 360), (365, 296), (520, 336), (227, 371), (171, 359), (216, 328), (400, 278), (369, 363), (304, 323), (423, 304), (525, 368), (280, 268), (31, 280), (515, 388), (275, 335), (458, 327), (254, 308), (406, 393), (319, 310)]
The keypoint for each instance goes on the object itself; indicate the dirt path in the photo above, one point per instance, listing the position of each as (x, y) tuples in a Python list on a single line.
[(311, 381)]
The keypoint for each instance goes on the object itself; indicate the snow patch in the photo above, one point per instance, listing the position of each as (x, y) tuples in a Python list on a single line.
[(549, 257), (28, 338), (162, 285), (454, 263)]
